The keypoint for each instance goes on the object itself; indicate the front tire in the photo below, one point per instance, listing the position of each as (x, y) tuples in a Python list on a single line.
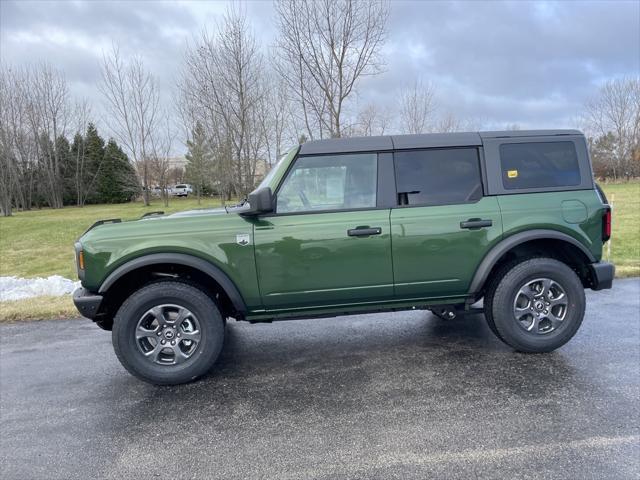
[(536, 305), (168, 333)]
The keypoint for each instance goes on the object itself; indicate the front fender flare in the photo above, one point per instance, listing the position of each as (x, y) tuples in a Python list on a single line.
[(180, 259), (494, 255)]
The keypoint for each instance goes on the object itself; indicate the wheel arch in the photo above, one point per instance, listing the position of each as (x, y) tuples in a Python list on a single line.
[(217, 281), (558, 244)]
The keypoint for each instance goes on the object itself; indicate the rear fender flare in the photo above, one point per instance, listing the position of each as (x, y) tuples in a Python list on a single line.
[(496, 253)]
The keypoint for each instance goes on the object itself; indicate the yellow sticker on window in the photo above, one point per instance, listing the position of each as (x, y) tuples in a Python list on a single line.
[(512, 173)]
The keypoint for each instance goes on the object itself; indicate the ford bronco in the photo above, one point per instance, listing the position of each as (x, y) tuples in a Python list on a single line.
[(370, 224)]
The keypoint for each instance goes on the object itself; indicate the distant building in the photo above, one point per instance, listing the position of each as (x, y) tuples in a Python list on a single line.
[(178, 162)]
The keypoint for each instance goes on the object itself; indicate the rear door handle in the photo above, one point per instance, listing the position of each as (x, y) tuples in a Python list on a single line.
[(475, 223), (364, 232)]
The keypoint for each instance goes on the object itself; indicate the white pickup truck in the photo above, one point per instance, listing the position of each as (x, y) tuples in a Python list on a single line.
[(181, 190)]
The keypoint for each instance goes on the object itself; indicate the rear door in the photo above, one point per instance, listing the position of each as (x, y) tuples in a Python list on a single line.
[(442, 225), (329, 242)]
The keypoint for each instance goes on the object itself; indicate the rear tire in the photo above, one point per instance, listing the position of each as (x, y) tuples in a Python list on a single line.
[(168, 333), (535, 305)]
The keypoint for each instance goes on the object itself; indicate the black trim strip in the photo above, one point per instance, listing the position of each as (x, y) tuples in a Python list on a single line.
[(181, 259)]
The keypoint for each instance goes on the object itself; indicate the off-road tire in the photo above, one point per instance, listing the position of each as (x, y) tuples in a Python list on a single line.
[(168, 292), (501, 293)]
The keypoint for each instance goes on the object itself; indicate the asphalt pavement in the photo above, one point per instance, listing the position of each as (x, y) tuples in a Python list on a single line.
[(402, 395)]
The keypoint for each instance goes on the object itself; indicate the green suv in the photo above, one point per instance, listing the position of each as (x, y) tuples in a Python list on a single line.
[(357, 225)]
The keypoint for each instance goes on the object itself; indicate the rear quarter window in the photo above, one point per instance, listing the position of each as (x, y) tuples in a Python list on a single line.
[(539, 165)]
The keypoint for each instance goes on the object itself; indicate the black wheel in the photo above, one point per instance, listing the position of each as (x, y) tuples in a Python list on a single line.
[(535, 305), (168, 333)]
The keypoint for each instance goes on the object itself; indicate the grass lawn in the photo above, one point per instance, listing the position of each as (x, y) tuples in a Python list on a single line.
[(625, 240), (40, 243), (38, 308)]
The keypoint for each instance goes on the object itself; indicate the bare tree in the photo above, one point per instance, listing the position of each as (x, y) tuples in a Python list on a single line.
[(274, 115), (324, 48), (132, 99), (49, 115), (223, 87), (448, 123), (373, 120), (84, 178), (16, 143), (9, 110), (417, 107), (34, 115), (615, 114), (160, 157)]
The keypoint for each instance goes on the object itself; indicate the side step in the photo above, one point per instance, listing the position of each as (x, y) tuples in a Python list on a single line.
[(449, 312)]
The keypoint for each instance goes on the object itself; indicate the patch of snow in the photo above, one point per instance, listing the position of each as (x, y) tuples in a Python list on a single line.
[(14, 288)]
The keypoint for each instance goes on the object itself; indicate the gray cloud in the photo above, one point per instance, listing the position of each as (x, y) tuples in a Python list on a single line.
[(533, 63), (524, 62)]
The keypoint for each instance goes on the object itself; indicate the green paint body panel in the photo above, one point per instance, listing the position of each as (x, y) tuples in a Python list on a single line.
[(309, 260), (306, 264), (577, 213), (432, 255), (210, 235)]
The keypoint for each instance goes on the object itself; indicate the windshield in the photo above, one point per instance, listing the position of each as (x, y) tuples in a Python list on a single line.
[(266, 181)]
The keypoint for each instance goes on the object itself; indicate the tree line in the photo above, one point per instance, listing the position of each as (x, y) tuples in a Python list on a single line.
[(50, 153), (237, 105)]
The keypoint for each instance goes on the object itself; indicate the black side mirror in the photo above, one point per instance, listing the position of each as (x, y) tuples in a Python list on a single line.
[(260, 201)]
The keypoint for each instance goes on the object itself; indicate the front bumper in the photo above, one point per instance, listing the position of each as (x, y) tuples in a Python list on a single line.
[(86, 302), (602, 274)]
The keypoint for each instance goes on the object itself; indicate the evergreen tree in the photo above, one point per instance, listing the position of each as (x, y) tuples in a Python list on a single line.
[(117, 182), (94, 157), (66, 169), (85, 161), (71, 180), (199, 161)]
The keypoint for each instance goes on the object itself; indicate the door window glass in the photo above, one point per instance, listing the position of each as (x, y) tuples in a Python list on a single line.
[(539, 165), (438, 176), (330, 182)]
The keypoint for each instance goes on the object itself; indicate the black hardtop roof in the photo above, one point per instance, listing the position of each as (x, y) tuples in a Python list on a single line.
[(423, 140)]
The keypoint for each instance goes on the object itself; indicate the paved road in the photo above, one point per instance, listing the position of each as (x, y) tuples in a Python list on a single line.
[(402, 395)]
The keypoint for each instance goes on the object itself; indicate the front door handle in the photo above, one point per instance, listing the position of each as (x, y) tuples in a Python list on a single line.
[(364, 232), (475, 223)]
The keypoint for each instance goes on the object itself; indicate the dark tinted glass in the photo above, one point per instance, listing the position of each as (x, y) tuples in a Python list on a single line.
[(438, 177), (539, 165)]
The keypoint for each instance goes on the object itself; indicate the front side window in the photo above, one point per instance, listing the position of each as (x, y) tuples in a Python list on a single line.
[(330, 182), (539, 165), (438, 176)]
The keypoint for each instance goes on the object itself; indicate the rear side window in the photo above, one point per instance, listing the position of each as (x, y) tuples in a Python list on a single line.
[(438, 176), (539, 165)]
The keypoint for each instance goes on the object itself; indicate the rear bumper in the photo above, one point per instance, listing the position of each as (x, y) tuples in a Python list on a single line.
[(86, 302), (602, 274)]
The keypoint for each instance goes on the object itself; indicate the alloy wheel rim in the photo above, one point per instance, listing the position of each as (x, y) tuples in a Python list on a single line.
[(168, 334), (540, 306)]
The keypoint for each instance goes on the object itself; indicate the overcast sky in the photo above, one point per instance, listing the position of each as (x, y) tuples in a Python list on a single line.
[(527, 63)]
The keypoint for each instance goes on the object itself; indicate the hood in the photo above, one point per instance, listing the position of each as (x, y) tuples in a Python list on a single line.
[(161, 224), (193, 213)]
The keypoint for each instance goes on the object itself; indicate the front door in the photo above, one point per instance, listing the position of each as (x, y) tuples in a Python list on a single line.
[(443, 226), (328, 243)]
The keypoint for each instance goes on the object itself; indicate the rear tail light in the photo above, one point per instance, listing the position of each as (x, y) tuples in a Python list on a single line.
[(606, 225)]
